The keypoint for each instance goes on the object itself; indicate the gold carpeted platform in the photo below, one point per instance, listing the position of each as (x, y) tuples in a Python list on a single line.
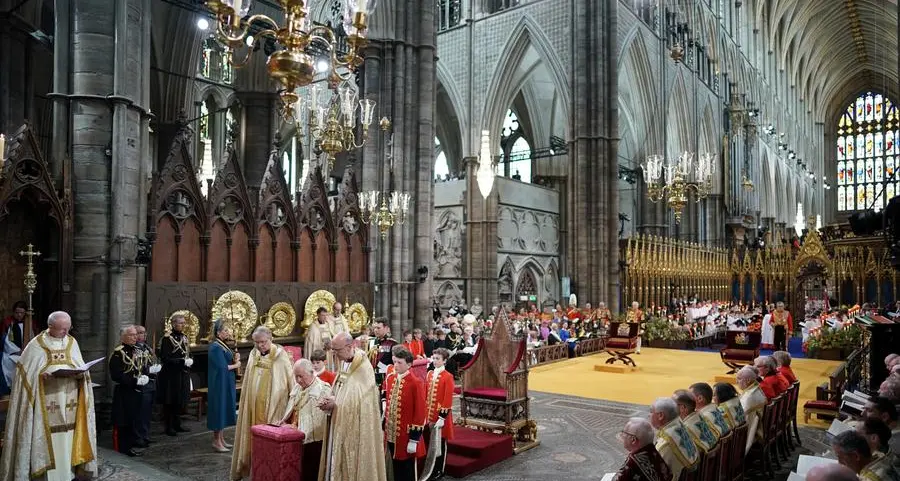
[(659, 373)]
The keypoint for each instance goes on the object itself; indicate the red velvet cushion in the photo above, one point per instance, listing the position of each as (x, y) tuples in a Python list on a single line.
[(620, 343), (495, 393), (821, 405), (296, 352), (739, 354), (283, 434)]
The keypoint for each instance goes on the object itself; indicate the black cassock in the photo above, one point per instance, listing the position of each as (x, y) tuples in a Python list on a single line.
[(126, 364), (173, 385)]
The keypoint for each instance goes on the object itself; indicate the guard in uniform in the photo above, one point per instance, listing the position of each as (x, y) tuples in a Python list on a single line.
[(381, 354), (128, 370), (174, 383), (404, 416), (149, 391)]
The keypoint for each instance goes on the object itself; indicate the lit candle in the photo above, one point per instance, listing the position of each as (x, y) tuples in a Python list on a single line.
[(237, 7), (2, 149), (361, 6)]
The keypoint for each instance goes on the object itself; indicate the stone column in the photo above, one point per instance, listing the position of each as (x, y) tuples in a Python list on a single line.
[(399, 75), (482, 270), (108, 117), (256, 131), (592, 243)]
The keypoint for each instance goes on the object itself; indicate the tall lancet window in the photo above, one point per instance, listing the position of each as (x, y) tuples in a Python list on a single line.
[(867, 153), (515, 151), (207, 169), (441, 167)]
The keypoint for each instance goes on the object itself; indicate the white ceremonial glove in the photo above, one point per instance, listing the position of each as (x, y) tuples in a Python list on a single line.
[(411, 447), (188, 362), (154, 369), (142, 380), (439, 423)]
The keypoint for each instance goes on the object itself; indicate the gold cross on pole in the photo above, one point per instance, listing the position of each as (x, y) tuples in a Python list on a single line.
[(30, 286)]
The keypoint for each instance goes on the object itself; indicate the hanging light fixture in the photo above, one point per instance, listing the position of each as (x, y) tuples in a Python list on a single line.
[(681, 177), (385, 209), (485, 174), (294, 65)]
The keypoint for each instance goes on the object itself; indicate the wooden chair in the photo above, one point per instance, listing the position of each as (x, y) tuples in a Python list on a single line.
[(795, 400), (622, 342), (691, 473), (762, 449), (741, 348), (828, 396), (782, 426), (738, 456), (725, 460), (710, 467), (495, 387)]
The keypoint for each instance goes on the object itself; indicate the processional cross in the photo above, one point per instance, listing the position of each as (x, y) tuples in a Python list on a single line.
[(30, 286)]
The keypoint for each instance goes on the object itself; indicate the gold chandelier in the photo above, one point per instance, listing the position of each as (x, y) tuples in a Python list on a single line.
[(385, 209), (329, 117), (294, 66), (675, 185)]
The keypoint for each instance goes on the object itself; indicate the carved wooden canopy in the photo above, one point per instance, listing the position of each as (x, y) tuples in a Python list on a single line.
[(26, 176)]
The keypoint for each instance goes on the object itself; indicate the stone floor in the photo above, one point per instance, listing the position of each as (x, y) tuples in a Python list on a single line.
[(578, 441)]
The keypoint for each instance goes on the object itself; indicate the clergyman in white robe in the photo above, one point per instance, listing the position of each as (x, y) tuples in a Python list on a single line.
[(50, 425)]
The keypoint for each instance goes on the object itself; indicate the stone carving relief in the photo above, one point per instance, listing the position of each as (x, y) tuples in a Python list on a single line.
[(505, 281), (448, 244), (527, 231), (448, 294), (551, 284), (476, 308)]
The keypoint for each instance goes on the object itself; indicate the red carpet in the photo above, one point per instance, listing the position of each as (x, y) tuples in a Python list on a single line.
[(470, 451)]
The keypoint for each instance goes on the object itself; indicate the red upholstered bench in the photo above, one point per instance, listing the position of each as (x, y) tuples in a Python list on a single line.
[(825, 408), (494, 393), (275, 453)]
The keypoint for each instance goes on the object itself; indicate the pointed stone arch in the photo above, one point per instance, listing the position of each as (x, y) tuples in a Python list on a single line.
[(450, 119), (638, 102), (678, 113), (504, 87)]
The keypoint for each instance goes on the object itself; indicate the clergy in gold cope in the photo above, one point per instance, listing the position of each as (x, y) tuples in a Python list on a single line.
[(50, 426), (354, 419), (266, 388)]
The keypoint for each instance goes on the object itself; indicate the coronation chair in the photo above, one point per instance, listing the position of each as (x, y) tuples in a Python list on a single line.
[(741, 348), (622, 342), (495, 387)]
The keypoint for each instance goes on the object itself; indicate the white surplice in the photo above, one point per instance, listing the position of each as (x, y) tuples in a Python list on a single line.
[(768, 332)]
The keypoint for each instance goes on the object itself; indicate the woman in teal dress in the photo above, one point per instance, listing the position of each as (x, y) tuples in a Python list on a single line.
[(221, 398)]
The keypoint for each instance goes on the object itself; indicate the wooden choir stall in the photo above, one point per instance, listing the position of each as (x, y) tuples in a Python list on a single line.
[(250, 254)]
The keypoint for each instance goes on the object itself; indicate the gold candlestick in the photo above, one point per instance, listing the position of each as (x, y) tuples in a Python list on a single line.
[(30, 284)]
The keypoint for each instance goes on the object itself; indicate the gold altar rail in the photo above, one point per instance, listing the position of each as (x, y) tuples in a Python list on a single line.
[(657, 267)]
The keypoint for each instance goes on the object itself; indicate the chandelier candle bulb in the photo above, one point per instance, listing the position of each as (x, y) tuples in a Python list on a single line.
[(2, 149)]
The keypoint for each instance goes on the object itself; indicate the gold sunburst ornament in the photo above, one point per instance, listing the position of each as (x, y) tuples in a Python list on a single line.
[(357, 317), (281, 319), (321, 298), (191, 325), (238, 311)]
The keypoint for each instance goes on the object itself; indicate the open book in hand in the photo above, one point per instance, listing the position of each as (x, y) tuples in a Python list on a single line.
[(71, 372)]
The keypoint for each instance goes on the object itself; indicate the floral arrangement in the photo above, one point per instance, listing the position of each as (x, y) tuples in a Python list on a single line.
[(844, 338), (663, 330)]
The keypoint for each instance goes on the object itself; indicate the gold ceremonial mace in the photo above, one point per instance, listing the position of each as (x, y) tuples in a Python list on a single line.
[(30, 286)]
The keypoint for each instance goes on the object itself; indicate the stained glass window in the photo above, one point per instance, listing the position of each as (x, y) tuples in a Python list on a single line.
[(226, 68), (867, 153)]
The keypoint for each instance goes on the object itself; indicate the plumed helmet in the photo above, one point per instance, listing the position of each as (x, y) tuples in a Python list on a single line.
[(573, 300)]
